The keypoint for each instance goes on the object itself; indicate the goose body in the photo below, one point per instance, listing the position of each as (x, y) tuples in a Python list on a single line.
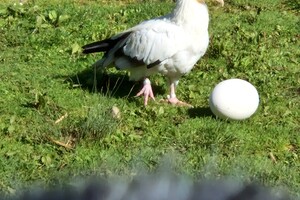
[(170, 45)]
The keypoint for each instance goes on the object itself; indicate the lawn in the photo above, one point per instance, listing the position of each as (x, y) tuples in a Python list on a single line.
[(55, 127)]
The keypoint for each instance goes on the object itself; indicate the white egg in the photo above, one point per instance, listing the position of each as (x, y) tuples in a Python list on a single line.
[(234, 99)]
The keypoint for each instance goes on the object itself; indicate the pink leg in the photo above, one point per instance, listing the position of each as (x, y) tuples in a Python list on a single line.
[(172, 99), (146, 91)]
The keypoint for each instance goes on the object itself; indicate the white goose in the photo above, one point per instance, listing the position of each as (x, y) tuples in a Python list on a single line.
[(170, 45)]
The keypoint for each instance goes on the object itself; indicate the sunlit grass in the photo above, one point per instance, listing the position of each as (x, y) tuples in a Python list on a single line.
[(53, 127)]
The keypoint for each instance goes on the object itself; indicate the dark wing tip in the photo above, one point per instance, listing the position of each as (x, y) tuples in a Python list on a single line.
[(153, 64), (95, 47), (104, 45)]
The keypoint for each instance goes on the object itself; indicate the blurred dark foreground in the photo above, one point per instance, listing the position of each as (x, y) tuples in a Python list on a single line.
[(154, 188)]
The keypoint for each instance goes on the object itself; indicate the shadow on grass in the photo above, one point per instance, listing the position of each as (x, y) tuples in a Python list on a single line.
[(115, 85), (293, 4), (200, 112)]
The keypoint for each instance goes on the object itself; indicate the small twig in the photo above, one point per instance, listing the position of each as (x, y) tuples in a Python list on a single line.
[(131, 89), (70, 140), (61, 118), (273, 158), (67, 146)]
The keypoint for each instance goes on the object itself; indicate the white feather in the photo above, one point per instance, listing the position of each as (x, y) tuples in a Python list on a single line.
[(170, 44), (178, 40)]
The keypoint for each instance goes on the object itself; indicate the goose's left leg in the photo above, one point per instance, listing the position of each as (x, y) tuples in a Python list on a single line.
[(172, 99)]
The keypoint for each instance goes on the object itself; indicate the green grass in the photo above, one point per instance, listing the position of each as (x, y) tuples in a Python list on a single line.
[(43, 76)]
